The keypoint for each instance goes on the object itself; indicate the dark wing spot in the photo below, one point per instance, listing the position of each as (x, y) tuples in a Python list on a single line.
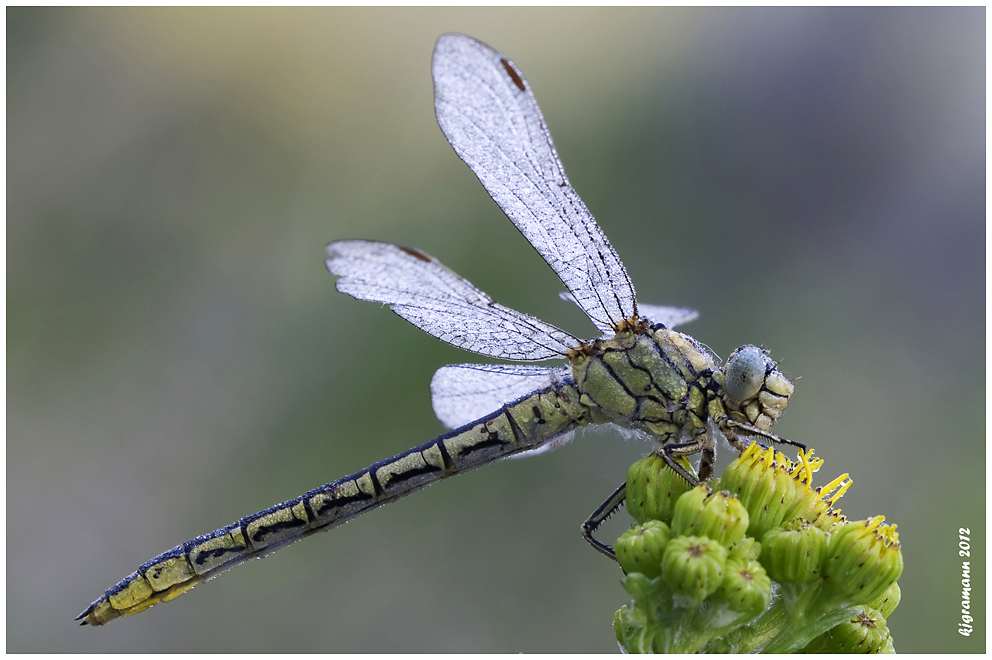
[(517, 80), (413, 252)]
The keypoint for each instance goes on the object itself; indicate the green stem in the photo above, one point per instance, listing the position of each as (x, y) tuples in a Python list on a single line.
[(806, 628), (757, 633)]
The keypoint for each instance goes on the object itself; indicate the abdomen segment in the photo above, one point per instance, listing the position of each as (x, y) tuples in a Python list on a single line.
[(525, 424)]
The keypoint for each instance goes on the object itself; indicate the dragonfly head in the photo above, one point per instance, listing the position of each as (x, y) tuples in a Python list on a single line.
[(753, 386)]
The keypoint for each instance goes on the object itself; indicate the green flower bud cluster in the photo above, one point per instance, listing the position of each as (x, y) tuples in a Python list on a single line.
[(757, 560)]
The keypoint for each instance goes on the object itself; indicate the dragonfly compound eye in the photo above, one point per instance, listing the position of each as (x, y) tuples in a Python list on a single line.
[(745, 372)]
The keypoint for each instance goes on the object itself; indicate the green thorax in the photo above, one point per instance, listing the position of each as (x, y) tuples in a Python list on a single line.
[(655, 379)]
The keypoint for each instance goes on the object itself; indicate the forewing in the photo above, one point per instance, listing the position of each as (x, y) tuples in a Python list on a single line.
[(668, 316), (417, 287), (462, 393), (490, 117)]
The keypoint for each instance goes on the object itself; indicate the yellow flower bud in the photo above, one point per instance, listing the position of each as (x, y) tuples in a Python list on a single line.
[(813, 503), (864, 559), (764, 485)]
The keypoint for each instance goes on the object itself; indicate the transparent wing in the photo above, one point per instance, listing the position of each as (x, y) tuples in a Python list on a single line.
[(417, 287), (558, 441), (490, 117), (462, 393), (667, 316)]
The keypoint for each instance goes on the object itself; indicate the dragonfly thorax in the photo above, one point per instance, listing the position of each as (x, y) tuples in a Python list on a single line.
[(652, 378)]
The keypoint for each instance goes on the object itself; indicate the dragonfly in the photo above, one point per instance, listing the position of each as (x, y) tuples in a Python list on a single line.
[(639, 373)]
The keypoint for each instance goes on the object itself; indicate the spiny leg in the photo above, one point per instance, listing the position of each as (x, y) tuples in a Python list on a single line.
[(596, 518), (703, 442), (700, 443), (613, 502)]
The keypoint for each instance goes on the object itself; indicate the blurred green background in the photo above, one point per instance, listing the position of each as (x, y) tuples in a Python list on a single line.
[(812, 180)]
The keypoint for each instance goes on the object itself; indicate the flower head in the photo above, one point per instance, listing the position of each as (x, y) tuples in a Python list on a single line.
[(641, 548), (864, 559), (764, 485), (745, 587), (794, 553), (693, 566), (717, 515)]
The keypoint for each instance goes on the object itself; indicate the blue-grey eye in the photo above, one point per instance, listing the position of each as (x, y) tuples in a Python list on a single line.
[(744, 373)]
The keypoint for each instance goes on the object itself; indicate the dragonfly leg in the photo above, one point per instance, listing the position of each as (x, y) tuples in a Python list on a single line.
[(708, 459), (597, 517), (701, 443), (739, 442), (750, 429)]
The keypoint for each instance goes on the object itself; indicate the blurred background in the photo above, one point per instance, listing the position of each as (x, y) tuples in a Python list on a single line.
[(812, 180)]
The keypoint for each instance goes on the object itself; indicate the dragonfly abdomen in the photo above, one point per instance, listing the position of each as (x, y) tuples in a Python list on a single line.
[(522, 425)]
